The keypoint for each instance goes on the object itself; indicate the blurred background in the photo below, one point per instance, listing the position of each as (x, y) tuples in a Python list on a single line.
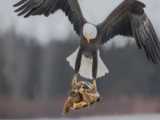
[(35, 77)]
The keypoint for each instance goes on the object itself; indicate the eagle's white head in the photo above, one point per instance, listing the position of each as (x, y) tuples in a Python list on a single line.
[(89, 32)]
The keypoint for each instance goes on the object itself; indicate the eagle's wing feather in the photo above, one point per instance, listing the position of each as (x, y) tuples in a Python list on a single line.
[(129, 19), (46, 7)]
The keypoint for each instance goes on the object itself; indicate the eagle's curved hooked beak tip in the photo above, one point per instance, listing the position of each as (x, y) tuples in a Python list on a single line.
[(88, 40), (88, 37)]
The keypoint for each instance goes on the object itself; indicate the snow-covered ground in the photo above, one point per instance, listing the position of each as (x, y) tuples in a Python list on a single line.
[(125, 117)]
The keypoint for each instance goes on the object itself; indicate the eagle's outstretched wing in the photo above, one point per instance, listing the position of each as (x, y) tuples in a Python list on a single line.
[(45, 7), (130, 19)]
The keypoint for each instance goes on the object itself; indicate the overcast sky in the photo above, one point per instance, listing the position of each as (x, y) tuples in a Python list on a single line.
[(57, 25)]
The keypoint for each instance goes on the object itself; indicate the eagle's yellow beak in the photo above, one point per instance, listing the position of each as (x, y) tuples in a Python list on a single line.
[(88, 40), (88, 37)]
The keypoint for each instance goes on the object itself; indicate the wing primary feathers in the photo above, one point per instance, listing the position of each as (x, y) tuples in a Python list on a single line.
[(46, 7), (24, 9), (27, 6), (21, 7), (153, 42), (146, 36), (139, 27), (19, 3), (28, 14)]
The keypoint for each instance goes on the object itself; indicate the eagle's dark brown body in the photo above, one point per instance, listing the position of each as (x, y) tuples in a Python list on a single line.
[(128, 19)]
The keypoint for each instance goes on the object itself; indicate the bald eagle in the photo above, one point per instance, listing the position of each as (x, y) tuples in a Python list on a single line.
[(128, 19)]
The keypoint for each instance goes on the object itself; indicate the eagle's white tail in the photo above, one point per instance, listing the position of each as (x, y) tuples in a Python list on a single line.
[(86, 65)]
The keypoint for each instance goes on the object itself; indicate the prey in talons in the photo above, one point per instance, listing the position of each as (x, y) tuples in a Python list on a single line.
[(82, 94)]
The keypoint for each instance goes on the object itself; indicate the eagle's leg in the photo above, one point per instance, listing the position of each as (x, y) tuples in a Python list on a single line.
[(75, 79), (94, 73), (94, 65), (77, 66), (95, 88)]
